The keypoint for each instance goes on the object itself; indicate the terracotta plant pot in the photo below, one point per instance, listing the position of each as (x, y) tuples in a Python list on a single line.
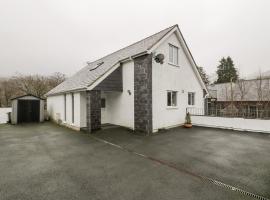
[(187, 125)]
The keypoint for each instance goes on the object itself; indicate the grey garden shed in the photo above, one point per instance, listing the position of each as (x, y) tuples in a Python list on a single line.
[(27, 108)]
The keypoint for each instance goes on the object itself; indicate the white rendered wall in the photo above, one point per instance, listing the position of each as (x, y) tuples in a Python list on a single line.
[(120, 105), (83, 110), (77, 110), (68, 110), (177, 78), (56, 109), (241, 124)]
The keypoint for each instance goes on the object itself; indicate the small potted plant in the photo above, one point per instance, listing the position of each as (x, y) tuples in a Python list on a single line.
[(188, 121)]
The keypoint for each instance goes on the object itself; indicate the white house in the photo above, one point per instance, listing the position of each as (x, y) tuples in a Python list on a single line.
[(146, 86)]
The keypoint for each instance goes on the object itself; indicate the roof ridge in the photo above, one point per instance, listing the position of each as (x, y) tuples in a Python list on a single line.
[(84, 76), (253, 79), (169, 29)]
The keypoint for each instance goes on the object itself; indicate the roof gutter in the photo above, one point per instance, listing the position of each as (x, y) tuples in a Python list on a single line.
[(66, 92), (132, 57), (103, 76)]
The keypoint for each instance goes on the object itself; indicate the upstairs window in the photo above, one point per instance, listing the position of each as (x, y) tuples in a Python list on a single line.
[(191, 98), (173, 54), (171, 98)]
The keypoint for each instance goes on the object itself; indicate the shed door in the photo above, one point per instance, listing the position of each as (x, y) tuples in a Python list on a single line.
[(28, 111)]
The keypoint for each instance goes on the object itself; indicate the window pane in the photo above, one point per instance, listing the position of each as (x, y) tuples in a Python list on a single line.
[(174, 99), (169, 100), (170, 54), (103, 103), (72, 107), (175, 55), (191, 98)]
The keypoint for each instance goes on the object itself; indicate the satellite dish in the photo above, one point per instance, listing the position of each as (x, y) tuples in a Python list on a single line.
[(159, 58)]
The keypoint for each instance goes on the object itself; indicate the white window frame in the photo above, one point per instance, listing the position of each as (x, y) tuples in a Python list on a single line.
[(173, 55), (65, 107), (172, 104), (191, 102)]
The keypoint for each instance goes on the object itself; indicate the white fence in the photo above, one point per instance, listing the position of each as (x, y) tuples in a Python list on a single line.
[(3, 115), (240, 124)]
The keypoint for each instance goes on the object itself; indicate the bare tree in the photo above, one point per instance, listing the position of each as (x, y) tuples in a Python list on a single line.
[(56, 79), (243, 91), (9, 90), (267, 96), (259, 88), (38, 85)]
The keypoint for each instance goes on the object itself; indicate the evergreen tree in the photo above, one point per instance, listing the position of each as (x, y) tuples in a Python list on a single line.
[(226, 71), (203, 75)]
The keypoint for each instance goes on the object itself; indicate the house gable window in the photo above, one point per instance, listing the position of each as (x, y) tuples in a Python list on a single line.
[(171, 98), (191, 98), (173, 54), (103, 103)]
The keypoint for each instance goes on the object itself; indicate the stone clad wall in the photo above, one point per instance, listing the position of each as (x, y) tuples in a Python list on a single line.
[(93, 106), (143, 94)]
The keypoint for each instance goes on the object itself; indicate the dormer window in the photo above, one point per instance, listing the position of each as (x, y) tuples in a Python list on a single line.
[(173, 54)]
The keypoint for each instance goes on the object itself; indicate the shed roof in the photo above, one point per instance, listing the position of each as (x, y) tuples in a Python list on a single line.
[(30, 95)]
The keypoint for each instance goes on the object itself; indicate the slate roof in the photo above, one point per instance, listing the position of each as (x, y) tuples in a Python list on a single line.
[(250, 90), (83, 78)]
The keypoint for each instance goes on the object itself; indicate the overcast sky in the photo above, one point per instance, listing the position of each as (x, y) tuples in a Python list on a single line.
[(38, 36)]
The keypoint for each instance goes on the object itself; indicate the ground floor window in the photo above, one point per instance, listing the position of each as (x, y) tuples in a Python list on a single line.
[(65, 107), (171, 98), (103, 103), (191, 98), (72, 107)]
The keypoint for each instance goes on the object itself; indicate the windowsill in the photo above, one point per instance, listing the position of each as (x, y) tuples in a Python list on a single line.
[(173, 64), (172, 107)]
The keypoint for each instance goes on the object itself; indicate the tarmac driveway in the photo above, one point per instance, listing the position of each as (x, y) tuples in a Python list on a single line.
[(45, 161)]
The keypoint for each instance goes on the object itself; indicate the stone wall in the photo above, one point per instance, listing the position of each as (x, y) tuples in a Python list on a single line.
[(143, 94), (93, 106)]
